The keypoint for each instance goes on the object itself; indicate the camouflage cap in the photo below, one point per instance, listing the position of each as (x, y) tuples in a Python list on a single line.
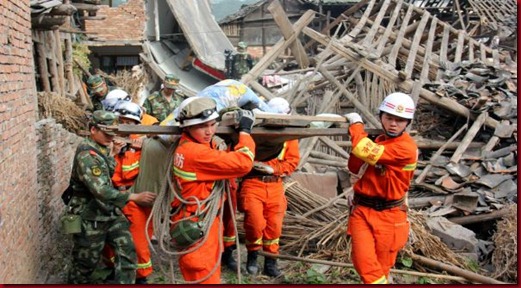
[(171, 81), (242, 45), (95, 83), (101, 117)]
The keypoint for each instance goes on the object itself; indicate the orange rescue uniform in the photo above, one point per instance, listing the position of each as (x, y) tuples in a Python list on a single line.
[(125, 174), (378, 235), (196, 168), (264, 203)]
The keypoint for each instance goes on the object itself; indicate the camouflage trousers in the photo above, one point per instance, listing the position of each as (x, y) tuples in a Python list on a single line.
[(88, 245)]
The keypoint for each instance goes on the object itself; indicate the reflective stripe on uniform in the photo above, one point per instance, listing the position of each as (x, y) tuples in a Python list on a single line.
[(188, 176), (257, 242), (270, 242), (368, 151), (130, 167), (381, 280), (144, 265), (409, 167), (283, 152), (229, 238), (247, 151)]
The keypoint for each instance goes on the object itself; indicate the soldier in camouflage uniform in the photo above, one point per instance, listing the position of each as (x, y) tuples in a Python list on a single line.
[(99, 204), (242, 61), (98, 90), (164, 101)]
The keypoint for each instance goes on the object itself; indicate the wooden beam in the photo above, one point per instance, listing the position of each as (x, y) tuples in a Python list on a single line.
[(278, 48), (280, 17), (389, 73)]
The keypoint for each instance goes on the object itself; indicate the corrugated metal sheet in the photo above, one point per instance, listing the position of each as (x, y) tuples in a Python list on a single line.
[(206, 38)]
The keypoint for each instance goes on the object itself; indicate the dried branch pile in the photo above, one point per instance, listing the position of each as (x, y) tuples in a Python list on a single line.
[(504, 257), (65, 111)]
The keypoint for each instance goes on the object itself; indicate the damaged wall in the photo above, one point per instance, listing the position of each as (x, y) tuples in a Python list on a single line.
[(19, 221)]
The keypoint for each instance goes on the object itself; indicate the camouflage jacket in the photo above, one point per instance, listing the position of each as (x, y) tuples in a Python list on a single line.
[(96, 101), (95, 197), (157, 105), (242, 63)]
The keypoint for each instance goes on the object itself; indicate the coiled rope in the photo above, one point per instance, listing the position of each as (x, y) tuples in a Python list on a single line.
[(207, 211)]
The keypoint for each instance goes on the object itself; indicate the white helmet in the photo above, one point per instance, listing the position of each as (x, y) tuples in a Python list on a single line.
[(196, 110), (398, 104), (279, 105), (129, 110), (113, 97)]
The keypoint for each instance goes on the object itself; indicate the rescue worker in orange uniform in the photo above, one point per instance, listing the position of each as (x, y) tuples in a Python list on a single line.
[(198, 166), (378, 222), (229, 222), (125, 174), (262, 199)]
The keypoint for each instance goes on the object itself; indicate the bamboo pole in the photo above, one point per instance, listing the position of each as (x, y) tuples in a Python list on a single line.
[(420, 177), (471, 276), (349, 265)]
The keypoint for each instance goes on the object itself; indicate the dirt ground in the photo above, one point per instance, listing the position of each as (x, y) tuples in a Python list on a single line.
[(293, 273)]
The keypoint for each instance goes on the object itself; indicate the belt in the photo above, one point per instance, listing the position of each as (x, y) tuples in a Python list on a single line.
[(265, 178), (377, 204)]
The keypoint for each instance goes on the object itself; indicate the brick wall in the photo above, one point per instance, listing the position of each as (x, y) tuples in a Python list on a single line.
[(125, 22), (35, 161), (55, 150), (19, 221)]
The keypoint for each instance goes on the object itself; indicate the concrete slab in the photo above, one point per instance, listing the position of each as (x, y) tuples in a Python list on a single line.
[(457, 237)]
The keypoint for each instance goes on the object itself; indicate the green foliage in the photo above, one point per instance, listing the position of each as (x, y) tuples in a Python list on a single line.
[(473, 265), (314, 277), (406, 261), (424, 280), (80, 53)]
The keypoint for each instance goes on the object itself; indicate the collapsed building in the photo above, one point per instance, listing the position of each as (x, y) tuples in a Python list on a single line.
[(462, 73)]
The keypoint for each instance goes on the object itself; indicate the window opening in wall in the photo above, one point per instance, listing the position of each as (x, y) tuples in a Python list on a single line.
[(113, 3)]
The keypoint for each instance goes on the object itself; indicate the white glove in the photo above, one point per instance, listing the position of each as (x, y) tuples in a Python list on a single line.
[(354, 118), (259, 166)]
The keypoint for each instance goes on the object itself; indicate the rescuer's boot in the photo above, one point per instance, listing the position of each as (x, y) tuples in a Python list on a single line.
[(251, 264), (270, 267), (227, 258)]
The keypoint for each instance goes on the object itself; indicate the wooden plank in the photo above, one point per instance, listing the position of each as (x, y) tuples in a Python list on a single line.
[(495, 57), (471, 51), (389, 28), (353, 33), (424, 78), (332, 144), (42, 64), (438, 153), (482, 53), (409, 67), (364, 111), (280, 17), (388, 72), (278, 48), (474, 129), (53, 64), (443, 50), (458, 9), (398, 42), (58, 53), (415, 95), (342, 17), (459, 48), (376, 24)]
